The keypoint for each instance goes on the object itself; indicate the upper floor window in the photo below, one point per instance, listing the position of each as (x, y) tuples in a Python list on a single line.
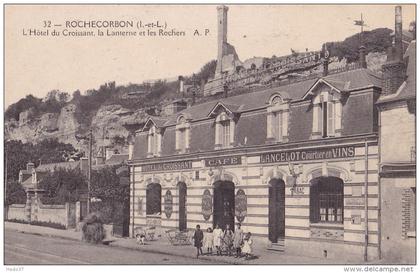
[(277, 120), (225, 130), (182, 135), (327, 109), (154, 141)]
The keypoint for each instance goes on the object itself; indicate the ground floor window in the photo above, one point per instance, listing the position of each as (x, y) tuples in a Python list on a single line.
[(326, 200), (153, 199)]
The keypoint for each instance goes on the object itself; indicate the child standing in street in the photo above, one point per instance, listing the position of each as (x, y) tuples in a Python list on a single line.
[(208, 241), (217, 239), (198, 240), (238, 240), (247, 247)]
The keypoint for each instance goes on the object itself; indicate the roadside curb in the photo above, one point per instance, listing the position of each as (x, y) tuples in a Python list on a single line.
[(125, 247)]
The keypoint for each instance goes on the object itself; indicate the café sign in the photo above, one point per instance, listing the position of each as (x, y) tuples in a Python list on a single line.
[(309, 154), (167, 166), (223, 161)]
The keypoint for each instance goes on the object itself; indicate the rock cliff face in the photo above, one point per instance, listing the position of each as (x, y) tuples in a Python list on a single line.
[(107, 126)]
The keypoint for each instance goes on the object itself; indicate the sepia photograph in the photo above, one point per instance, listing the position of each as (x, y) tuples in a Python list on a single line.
[(210, 134)]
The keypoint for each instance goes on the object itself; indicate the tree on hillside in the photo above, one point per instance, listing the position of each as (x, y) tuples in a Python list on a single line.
[(51, 151), (18, 154), (377, 40), (24, 104)]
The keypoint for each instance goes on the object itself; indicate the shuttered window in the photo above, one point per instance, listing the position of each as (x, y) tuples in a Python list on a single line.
[(225, 133), (327, 121), (276, 126), (181, 140)]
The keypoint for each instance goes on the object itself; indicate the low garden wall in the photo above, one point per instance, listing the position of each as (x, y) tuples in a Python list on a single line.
[(17, 212), (58, 216)]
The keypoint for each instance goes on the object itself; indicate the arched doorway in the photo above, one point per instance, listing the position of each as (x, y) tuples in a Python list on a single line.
[(276, 211), (224, 204), (154, 199), (182, 208)]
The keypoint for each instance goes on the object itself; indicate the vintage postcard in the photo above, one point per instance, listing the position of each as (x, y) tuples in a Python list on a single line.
[(210, 134)]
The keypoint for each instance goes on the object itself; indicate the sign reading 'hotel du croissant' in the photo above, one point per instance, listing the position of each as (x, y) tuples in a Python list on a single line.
[(167, 166), (309, 154)]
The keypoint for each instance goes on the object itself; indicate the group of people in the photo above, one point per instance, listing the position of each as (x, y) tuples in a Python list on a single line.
[(223, 241)]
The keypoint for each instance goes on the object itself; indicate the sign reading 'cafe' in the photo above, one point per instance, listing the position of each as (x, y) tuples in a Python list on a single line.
[(309, 154)]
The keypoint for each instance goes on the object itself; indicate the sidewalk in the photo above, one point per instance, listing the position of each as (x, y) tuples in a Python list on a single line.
[(162, 246)]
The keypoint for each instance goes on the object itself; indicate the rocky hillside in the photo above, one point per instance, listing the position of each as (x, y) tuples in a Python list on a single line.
[(112, 111)]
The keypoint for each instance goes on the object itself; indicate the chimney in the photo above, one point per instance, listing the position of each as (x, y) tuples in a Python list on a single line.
[(362, 57), (325, 60), (225, 90), (181, 84), (398, 33), (30, 166), (393, 71)]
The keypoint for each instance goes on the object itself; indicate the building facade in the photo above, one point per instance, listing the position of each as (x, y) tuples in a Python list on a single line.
[(296, 165), (397, 131)]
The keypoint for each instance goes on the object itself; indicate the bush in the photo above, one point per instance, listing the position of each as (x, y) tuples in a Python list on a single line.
[(48, 224), (93, 229), (105, 211), (39, 223), (17, 221)]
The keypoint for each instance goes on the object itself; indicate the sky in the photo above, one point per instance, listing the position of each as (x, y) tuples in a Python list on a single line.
[(37, 65)]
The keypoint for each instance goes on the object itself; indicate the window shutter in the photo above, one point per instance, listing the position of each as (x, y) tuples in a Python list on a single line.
[(330, 113), (280, 123), (181, 139), (274, 126)]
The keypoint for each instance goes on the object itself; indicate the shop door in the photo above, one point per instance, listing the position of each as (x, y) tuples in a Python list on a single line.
[(182, 190), (224, 204), (276, 213)]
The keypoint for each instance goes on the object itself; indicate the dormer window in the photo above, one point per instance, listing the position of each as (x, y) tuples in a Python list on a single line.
[(154, 141), (225, 130), (277, 119), (327, 109), (182, 135)]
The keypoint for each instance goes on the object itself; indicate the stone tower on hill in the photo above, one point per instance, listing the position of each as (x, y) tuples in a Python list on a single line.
[(227, 59)]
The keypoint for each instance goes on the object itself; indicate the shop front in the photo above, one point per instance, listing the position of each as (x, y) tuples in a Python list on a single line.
[(303, 198)]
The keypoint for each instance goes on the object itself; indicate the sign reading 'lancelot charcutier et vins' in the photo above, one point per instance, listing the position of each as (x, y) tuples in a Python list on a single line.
[(167, 166), (309, 154)]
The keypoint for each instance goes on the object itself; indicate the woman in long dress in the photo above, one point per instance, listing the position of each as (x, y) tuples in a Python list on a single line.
[(228, 240), (217, 238)]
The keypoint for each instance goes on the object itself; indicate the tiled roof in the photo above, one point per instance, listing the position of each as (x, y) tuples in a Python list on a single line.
[(51, 166), (408, 88), (26, 172), (116, 159), (349, 80)]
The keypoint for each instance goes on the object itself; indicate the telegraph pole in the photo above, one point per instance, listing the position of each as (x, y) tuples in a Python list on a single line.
[(89, 169)]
